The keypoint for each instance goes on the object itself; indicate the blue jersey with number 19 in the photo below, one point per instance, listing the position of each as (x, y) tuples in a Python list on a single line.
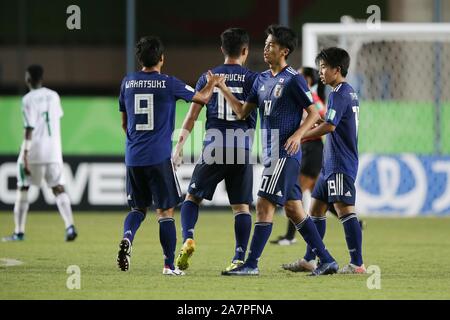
[(149, 100), (340, 154)]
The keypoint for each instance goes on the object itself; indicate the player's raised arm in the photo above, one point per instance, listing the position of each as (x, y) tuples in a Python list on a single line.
[(292, 144), (242, 110), (191, 117), (188, 124), (202, 97)]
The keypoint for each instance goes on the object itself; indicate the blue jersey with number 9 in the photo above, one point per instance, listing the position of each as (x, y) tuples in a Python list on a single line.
[(149, 100)]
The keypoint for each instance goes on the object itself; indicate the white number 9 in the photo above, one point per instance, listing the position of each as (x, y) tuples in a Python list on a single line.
[(147, 110)]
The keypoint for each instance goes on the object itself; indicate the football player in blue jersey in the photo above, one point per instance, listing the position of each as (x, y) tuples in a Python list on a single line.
[(147, 103), (312, 150), (336, 183), (281, 94), (226, 152)]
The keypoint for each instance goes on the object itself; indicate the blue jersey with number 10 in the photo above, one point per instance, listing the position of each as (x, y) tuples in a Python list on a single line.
[(149, 100), (219, 115)]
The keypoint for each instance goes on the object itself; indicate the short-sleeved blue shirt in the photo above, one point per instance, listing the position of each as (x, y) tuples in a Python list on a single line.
[(340, 154)]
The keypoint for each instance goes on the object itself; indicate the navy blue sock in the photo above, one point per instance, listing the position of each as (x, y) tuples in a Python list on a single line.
[(260, 236), (309, 232), (353, 236), (189, 216), (242, 229), (321, 225), (168, 239), (132, 224)]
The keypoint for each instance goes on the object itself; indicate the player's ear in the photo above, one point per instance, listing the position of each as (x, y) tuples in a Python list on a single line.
[(223, 51)]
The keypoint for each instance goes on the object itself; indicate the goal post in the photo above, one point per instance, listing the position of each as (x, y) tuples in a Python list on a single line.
[(364, 33), (399, 63)]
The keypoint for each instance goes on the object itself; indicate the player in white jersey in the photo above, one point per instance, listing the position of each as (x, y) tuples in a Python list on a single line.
[(40, 156)]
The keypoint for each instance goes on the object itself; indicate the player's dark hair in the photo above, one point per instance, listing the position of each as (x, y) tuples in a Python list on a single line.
[(284, 36), (149, 51), (314, 75), (36, 73), (335, 57), (233, 40)]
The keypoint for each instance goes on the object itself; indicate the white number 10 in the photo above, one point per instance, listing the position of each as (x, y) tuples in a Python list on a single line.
[(224, 111), (148, 110)]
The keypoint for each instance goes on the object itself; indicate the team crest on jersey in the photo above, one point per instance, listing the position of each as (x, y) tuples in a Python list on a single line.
[(277, 92), (281, 80)]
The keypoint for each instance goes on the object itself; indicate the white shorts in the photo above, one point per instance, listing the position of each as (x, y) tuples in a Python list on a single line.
[(51, 172)]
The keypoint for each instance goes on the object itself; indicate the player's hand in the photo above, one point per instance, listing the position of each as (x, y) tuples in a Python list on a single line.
[(27, 171), (177, 158), (214, 78), (221, 84), (292, 145), (209, 76)]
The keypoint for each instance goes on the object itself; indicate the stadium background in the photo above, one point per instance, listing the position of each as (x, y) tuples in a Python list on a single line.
[(404, 144), (402, 171)]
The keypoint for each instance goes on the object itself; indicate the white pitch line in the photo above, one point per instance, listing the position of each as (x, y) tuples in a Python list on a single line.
[(6, 262)]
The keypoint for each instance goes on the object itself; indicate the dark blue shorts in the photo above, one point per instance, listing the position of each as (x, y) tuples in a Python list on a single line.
[(281, 184), (312, 154), (238, 181), (156, 184), (338, 187)]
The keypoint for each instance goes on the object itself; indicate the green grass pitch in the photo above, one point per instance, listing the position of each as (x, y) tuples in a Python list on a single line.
[(412, 253)]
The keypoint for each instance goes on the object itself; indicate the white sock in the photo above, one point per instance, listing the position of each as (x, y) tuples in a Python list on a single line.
[(63, 204), (306, 199), (20, 211)]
